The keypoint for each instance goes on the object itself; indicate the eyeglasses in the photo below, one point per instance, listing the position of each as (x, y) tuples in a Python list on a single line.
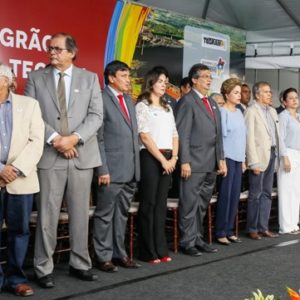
[(55, 49), (206, 77)]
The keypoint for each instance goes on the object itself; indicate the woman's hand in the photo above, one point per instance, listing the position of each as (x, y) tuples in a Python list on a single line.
[(286, 164), (168, 166), (244, 167)]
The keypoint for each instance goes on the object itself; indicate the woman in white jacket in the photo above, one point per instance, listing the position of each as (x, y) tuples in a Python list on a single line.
[(289, 171)]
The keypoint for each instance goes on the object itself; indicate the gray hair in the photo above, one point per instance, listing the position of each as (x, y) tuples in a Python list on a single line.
[(6, 72)]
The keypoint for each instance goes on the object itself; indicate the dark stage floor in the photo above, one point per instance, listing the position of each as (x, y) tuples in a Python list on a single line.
[(232, 273)]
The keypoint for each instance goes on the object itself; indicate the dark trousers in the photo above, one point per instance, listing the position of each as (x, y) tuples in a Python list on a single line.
[(195, 195), (259, 200), (153, 193), (110, 220), (15, 210), (228, 199)]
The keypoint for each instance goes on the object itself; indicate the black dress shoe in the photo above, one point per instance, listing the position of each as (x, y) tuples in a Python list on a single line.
[(126, 262), (206, 248), (107, 266), (192, 251), (85, 275), (46, 282)]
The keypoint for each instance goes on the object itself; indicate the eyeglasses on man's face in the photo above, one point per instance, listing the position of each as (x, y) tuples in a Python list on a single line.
[(206, 77), (55, 49)]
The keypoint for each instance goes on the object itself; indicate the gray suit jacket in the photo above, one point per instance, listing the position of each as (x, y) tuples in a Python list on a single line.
[(118, 141), (85, 113), (200, 136)]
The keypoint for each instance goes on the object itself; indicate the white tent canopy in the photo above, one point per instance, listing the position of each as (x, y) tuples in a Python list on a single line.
[(273, 26)]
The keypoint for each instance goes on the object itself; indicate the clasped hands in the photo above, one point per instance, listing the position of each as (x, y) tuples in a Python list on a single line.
[(169, 165), (66, 145)]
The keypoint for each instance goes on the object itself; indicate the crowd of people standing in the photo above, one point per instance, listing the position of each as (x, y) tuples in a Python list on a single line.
[(65, 131)]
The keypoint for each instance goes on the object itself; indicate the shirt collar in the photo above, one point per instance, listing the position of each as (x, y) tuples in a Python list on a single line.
[(115, 92), (262, 106), (199, 94), (68, 71)]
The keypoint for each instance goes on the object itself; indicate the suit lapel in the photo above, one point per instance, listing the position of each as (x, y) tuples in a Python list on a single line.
[(17, 112), (50, 84), (75, 87), (117, 104), (201, 105), (261, 114)]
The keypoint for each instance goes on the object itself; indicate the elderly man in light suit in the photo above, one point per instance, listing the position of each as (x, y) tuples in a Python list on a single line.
[(198, 122), (263, 142), (117, 177), (71, 105), (21, 147)]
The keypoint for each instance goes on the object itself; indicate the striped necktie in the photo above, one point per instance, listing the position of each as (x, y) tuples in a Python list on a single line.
[(61, 95)]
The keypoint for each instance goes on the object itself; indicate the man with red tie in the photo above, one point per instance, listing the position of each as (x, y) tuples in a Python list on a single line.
[(120, 170), (201, 154)]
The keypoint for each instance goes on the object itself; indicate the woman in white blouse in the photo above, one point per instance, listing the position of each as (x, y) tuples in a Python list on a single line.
[(159, 150), (289, 170)]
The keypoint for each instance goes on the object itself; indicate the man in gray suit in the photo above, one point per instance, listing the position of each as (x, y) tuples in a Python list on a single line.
[(120, 170), (71, 105), (201, 153)]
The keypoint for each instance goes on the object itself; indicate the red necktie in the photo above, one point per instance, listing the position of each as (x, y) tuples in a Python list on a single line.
[(123, 107), (207, 106)]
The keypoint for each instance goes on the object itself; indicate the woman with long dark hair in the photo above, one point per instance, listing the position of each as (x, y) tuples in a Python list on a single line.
[(159, 153)]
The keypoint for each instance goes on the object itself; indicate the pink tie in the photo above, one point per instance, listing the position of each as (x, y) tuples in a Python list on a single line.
[(207, 106), (123, 107)]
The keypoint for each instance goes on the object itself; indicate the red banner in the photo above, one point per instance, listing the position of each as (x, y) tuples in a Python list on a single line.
[(26, 26)]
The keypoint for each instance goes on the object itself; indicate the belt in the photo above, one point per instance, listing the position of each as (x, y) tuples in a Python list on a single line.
[(165, 150)]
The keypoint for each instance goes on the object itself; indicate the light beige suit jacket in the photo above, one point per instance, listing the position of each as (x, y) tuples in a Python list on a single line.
[(259, 139), (27, 142)]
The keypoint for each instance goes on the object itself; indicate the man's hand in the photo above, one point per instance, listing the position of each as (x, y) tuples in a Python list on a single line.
[(186, 171), (65, 143), (104, 179), (72, 153), (9, 173), (256, 171)]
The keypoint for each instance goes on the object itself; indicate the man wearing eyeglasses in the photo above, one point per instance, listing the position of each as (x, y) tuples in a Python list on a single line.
[(201, 154), (71, 105)]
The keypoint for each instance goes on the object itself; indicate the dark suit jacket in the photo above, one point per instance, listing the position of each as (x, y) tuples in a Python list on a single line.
[(200, 136), (280, 109), (118, 141), (241, 108), (85, 113)]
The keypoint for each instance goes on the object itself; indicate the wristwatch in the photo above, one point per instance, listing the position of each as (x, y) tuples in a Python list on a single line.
[(175, 156)]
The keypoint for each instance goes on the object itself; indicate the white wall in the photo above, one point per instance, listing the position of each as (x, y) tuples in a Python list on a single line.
[(279, 80)]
